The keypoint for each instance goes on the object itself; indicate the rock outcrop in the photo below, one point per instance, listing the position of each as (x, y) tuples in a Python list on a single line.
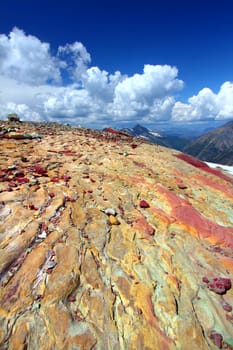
[(13, 117), (109, 242)]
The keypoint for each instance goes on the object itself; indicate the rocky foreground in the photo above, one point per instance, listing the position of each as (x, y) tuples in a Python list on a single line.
[(108, 242)]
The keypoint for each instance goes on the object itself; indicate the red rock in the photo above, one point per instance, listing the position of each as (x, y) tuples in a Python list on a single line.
[(217, 339), (39, 170), (227, 307), (182, 186), (54, 179), (69, 199), (22, 180), (144, 204), (72, 298), (32, 207), (219, 285), (205, 279), (65, 178)]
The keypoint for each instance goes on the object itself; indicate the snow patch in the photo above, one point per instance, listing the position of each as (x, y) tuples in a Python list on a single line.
[(155, 134), (226, 168)]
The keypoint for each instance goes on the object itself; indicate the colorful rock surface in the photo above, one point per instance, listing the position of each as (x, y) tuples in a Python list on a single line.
[(102, 251)]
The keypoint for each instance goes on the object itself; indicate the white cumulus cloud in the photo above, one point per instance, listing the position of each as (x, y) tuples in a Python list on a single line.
[(225, 101), (22, 110), (100, 84), (75, 59), (206, 105), (147, 93), (64, 86), (26, 59)]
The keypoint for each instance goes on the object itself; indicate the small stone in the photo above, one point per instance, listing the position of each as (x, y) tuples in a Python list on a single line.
[(220, 285), (113, 220), (110, 211), (205, 279), (42, 235), (182, 186), (227, 307), (144, 204), (12, 167), (32, 207), (216, 339), (71, 299)]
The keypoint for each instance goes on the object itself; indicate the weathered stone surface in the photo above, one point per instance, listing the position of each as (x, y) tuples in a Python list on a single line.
[(108, 242)]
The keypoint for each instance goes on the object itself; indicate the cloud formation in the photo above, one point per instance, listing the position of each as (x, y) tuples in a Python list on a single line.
[(39, 85), (148, 94), (76, 59), (206, 105), (26, 59)]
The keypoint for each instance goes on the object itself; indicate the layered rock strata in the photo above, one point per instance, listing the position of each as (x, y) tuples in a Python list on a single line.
[(108, 242)]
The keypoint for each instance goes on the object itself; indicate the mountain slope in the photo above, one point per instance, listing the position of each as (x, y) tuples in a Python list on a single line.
[(214, 146), (171, 141), (107, 242)]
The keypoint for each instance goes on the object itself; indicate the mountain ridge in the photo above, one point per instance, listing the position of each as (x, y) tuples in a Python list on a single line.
[(162, 139), (214, 146)]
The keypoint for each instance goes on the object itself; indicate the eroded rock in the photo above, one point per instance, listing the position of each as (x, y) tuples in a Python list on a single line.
[(103, 251)]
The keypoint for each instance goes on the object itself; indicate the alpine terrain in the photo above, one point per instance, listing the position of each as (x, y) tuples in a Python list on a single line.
[(110, 242)]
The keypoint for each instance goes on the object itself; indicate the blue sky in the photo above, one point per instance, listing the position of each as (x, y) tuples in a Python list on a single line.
[(174, 61)]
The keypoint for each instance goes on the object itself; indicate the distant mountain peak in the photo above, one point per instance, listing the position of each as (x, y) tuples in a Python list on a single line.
[(214, 146), (172, 141), (140, 128)]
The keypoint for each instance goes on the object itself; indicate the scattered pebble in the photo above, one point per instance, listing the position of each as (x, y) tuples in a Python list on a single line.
[(144, 204), (227, 307), (72, 299), (42, 235), (110, 211), (216, 338), (113, 220)]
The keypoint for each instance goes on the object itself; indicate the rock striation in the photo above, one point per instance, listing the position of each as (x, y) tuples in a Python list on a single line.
[(110, 242)]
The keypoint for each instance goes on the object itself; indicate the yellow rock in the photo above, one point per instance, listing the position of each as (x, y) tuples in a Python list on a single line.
[(113, 220)]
